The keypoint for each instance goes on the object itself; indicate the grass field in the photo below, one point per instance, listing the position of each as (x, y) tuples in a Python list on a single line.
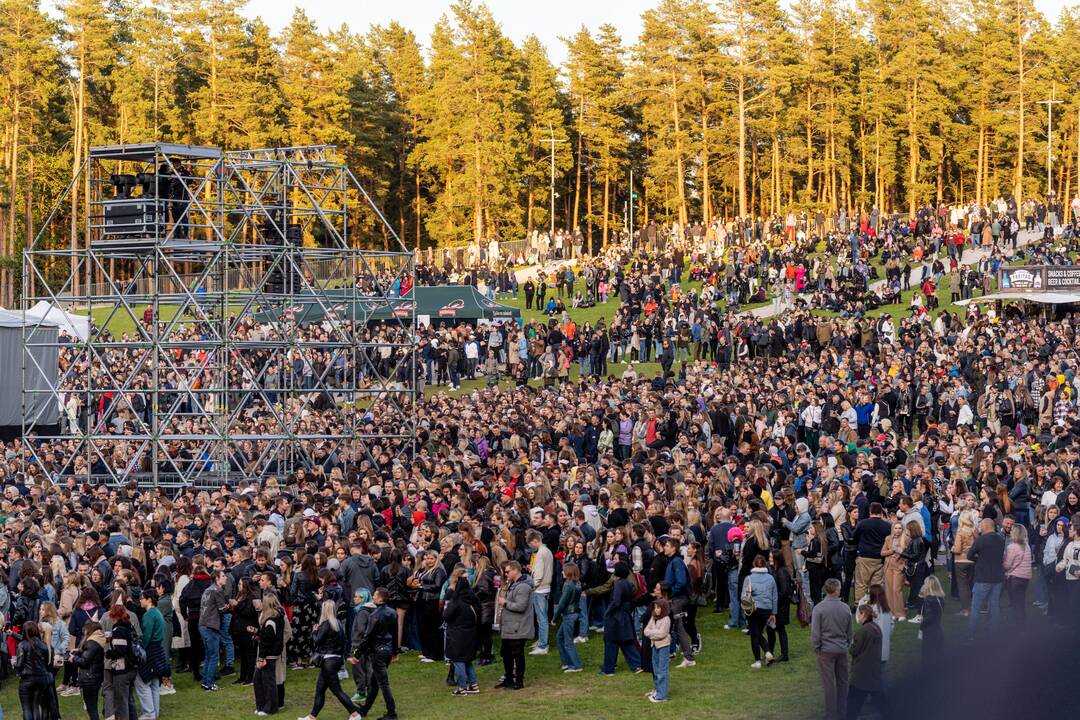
[(721, 685)]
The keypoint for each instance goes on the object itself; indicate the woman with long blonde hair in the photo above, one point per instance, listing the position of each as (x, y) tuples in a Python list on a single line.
[(271, 643)]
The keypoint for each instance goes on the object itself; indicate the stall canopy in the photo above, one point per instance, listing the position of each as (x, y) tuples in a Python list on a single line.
[(77, 326), (1047, 298), (37, 362), (448, 303)]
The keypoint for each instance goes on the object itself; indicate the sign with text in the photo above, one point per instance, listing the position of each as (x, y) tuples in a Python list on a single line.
[(1045, 278)]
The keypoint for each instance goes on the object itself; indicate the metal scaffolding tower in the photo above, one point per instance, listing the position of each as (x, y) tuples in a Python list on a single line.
[(239, 327)]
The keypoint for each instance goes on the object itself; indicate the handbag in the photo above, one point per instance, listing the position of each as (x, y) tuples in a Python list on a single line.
[(317, 659), (746, 601)]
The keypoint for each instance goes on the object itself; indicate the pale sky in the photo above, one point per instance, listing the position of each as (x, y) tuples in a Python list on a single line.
[(547, 19)]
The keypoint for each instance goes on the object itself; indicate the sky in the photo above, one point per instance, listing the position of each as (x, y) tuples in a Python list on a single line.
[(547, 19)]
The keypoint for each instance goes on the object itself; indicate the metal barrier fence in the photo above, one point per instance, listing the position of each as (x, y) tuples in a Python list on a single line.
[(524, 252)]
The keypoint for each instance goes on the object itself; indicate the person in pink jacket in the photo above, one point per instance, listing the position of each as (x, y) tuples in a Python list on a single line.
[(1017, 564)]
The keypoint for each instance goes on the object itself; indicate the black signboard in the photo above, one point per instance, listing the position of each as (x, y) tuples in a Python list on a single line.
[(1021, 277), (1062, 277), (1040, 278)]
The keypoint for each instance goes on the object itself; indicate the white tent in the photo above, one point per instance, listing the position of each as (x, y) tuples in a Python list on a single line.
[(74, 325)]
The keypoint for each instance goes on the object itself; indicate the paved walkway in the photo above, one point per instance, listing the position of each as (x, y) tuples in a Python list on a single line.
[(971, 256)]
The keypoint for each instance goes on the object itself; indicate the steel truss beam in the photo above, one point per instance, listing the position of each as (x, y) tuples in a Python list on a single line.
[(217, 386)]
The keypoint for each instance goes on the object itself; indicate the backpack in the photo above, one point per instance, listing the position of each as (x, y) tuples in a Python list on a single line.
[(640, 591)]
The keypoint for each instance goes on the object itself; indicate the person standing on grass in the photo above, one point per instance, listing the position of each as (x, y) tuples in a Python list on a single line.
[(212, 606), (120, 653), (89, 658), (1070, 566), (619, 630), (31, 664), (830, 638), (988, 554), (149, 674), (270, 644), (516, 625), (676, 585), (1018, 567), (930, 628), (658, 631), (866, 666), (379, 642), (328, 643), (566, 615), (541, 568), (758, 598), (461, 614), (869, 537)]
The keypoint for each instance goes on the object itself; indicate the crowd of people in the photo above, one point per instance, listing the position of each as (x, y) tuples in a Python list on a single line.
[(771, 470)]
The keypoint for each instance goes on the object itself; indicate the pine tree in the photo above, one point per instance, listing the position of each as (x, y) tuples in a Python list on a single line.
[(397, 57), (473, 128), (29, 84), (315, 83), (544, 113)]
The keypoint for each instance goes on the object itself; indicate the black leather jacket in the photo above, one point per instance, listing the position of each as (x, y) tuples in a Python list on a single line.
[(381, 635), (328, 641), (32, 660), (91, 663)]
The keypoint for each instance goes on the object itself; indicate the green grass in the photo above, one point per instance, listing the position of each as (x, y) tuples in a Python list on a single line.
[(721, 685)]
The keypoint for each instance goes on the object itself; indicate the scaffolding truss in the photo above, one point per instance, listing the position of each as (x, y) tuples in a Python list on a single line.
[(198, 370)]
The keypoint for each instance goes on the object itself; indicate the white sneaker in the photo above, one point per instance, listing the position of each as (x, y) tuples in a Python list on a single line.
[(573, 670), (72, 691), (756, 665), (901, 619), (687, 662), (166, 690), (425, 659), (580, 640), (768, 657), (538, 651), (916, 620), (260, 713)]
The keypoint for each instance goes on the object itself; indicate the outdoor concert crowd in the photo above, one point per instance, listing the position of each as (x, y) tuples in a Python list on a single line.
[(773, 469)]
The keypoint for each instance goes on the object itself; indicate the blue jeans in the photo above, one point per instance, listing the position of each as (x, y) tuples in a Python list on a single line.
[(661, 660), (611, 655), (583, 616), (211, 646), (734, 606), (464, 673), (226, 639), (990, 595), (540, 609), (639, 616), (568, 654)]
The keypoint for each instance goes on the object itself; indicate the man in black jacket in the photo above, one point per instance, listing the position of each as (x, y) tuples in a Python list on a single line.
[(379, 642), (988, 554)]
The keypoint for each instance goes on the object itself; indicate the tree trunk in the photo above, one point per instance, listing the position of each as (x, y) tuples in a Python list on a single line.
[(1018, 183), (681, 177), (577, 179), (979, 168), (913, 146)]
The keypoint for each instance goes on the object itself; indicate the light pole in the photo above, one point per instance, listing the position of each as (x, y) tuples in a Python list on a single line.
[(551, 140), (1049, 103)]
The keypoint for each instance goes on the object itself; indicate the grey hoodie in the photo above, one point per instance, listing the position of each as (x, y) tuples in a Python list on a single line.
[(359, 572)]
